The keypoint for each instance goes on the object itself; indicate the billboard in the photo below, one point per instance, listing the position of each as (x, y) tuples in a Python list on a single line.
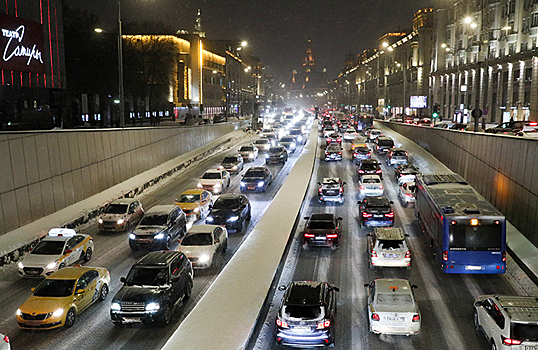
[(21, 45), (419, 102)]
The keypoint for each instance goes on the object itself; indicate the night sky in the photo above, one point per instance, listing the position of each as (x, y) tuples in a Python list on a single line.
[(276, 30)]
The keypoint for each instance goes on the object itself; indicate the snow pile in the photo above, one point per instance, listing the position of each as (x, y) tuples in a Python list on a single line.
[(225, 316)]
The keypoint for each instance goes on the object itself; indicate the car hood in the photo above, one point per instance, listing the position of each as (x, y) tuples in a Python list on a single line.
[(224, 212), (148, 230), (253, 179), (39, 260), (188, 206), (44, 305), (111, 217), (139, 293), (196, 250)]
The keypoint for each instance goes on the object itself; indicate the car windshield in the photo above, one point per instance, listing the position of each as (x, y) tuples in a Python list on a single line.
[(154, 220), (385, 143), (262, 142), (188, 198), (330, 182), (295, 132), (369, 166), (287, 139), (203, 238), (394, 299), (363, 149), (399, 153), (226, 203), (390, 244), (246, 149), (147, 276), (525, 331), (311, 312), (116, 209), (333, 149), (49, 248), (229, 160), (211, 176), (55, 288), (378, 209), (255, 173), (321, 225), (370, 181)]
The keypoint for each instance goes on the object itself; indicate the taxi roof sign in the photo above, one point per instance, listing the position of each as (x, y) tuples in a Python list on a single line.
[(66, 232)]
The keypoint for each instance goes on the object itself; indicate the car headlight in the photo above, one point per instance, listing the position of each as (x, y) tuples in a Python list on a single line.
[(21, 266), (200, 185), (52, 265), (234, 167), (115, 306), (100, 221), (204, 258), (58, 313), (217, 185), (267, 156), (260, 184), (196, 210), (281, 156), (300, 138), (132, 236), (242, 184), (19, 312), (120, 221), (153, 307), (233, 219), (209, 219), (159, 236), (251, 155)]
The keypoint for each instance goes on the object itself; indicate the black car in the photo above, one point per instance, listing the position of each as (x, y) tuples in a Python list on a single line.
[(230, 210), (158, 228), (369, 167), (152, 288), (233, 163), (276, 154), (384, 144), (361, 153), (307, 315), (256, 179), (406, 170), (322, 230), (376, 212)]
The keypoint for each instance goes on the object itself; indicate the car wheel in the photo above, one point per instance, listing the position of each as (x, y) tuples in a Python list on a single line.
[(188, 290), (62, 265), (103, 293), (493, 346), (88, 254), (70, 318), (476, 322), (239, 227), (167, 315), (225, 247), (167, 243)]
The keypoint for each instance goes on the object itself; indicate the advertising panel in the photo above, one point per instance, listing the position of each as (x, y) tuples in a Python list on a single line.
[(21, 45), (419, 102)]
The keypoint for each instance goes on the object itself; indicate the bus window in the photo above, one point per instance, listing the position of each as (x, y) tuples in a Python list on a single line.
[(483, 237)]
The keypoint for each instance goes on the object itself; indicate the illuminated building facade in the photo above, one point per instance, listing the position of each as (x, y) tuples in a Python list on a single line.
[(32, 65), (308, 82)]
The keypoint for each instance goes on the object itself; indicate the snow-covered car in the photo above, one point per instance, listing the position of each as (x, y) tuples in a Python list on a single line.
[(329, 130), (276, 154), (289, 143), (406, 172), (333, 152), (262, 145), (203, 243), (392, 307), (248, 153), (233, 164), (331, 189), (373, 135), (214, 180), (333, 139), (298, 135), (362, 153), (370, 185), (62, 247), (406, 192), (350, 134), (396, 156), (120, 215), (387, 247)]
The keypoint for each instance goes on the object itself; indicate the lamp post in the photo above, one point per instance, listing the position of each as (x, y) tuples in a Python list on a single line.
[(120, 68)]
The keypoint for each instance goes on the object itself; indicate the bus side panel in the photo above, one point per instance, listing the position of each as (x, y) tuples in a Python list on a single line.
[(432, 222)]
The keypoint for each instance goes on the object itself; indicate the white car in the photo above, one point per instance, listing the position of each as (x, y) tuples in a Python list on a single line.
[(406, 192), (392, 307), (202, 243), (350, 134), (387, 248), (263, 145), (248, 152), (214, 180), (329, 130), (370, 186), (289, 143), (62, 247), (4, 342), (331, 189)]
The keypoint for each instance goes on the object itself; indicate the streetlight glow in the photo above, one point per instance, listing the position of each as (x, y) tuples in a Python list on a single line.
[(244, 43), (467, 20), (98, 30), (385, 44)]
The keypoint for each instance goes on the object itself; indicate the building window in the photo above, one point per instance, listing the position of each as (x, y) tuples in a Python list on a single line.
[(515, 75), (528, 74), (512, 49), (534, 22)]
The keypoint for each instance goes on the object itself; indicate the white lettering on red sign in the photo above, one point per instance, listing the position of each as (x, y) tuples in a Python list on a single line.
[(13, 50)]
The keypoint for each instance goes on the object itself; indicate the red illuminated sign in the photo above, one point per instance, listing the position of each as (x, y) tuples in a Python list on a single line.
[(21, 45)]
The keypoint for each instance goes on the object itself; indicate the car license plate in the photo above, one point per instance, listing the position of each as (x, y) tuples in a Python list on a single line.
[(301, 328), (132, 319), (390, 255), (251, 187), (395, 319), (143, 240), (531, 347), (378, 215), (320, 238), (474, 268)]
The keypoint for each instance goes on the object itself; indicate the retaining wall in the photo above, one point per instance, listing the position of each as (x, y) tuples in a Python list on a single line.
[(44, 172), (504, 169)]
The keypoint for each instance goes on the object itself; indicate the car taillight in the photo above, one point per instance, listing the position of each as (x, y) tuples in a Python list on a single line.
[(341, 190), (362, 187), (504, 256), (320, 191), (368, 154), (281, 324), (378, 171), (309, 235), (325, 324), (509, 341), (361, 171), (375, 317), (339, 140), (6, 339), (366, 215), (409, 195), (416, 318), (389, 215), (340, 153), (408, 254), (445, 255), (332, 235), (381, 187), (374, 254)]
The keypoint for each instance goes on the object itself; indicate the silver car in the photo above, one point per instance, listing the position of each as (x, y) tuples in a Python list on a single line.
[(387, 247), (4, 342), (396, 156), (249, 153), (392, 307), (289, 143), (370, 185), (406, 192)]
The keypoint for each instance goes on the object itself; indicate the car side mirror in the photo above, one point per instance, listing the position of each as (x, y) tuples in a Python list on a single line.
[(319, 183), (343, 183), (179, 240), (369, 234), (282, 287), (123, 280), (391, 202), (174, 279), (68, 251), (32, 289), (366, 285), (339, 218), (414, 286), (210, 207), (79, 291), (307, 217), (406, 235), (478, 303), (335, 288)]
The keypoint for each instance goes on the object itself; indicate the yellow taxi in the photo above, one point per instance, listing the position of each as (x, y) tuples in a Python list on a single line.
[(57, 300), (195, 203), (358, 142)]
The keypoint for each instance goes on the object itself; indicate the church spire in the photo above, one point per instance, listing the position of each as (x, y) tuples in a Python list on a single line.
[(198, 26)]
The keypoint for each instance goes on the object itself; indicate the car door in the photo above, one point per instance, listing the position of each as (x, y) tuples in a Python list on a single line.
[(182, 221), (176, 287), (82, 297), (486, 315)]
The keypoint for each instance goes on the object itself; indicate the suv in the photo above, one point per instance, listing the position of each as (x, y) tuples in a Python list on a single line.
[(370, 167), (508, 322), (256, 179), (331, 190), (376, 212), (276, 154), (307, 315), (152, 288), (322, 230), (159, 226), (384, 144), (397, 156), (120, 214), (233, 163), (387, 247)]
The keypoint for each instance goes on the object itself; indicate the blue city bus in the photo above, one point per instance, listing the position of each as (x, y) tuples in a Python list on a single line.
[(467, 233)]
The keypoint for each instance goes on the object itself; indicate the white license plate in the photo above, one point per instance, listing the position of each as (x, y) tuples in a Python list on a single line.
[(320, 238), (378, 215), (531, 347), (391, 255), (474, 268), (301, 329), (132, 320), (395, 319)]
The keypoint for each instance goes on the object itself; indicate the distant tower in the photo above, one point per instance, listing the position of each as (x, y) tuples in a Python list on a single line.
[(349, 61), (309, 62), (198, 26)]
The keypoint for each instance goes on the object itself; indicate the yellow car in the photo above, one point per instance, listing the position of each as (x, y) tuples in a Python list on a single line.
[(358, 142), (195, 203), (61, 296)]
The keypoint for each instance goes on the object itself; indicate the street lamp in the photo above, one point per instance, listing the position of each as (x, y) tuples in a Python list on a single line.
[(120, 68)]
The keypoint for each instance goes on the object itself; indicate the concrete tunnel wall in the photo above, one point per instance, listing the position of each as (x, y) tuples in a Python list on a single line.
[(504, 169), (43, 172)]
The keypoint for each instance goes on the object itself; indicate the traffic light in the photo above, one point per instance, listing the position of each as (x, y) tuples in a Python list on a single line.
[(435, 113)]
